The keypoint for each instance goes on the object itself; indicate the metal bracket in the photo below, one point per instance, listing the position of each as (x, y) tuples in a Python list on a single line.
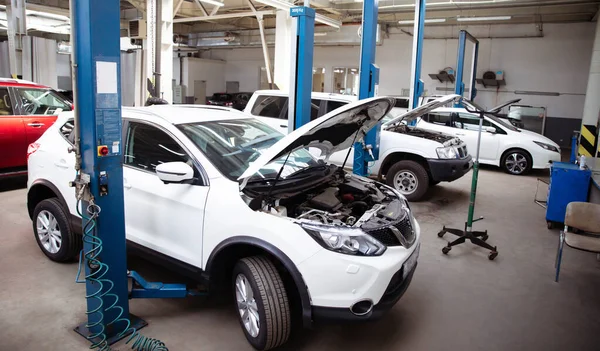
[(157, 290)]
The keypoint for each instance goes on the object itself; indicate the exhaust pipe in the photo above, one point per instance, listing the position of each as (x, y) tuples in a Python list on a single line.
[(362, 308)]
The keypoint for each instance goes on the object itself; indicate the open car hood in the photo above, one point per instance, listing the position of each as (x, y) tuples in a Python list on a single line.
[(333, 132), (423, 109), (497, 109)]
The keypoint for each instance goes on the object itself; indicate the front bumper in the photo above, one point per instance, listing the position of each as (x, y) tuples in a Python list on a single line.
[(544, 158), (393, 293), (448, 170)]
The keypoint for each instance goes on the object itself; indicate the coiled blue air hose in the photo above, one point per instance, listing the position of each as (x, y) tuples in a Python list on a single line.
[(140, 342)]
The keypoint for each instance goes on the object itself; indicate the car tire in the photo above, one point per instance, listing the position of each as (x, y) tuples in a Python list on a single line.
[(262, 302), (516, 162), (409, 178), (53, 233)]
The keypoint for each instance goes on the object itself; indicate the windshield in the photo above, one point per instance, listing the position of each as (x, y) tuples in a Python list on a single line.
[(502, 123), (232, 145)]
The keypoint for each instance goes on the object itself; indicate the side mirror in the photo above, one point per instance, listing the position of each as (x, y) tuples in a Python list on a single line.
[(491, 130), (175, 172)]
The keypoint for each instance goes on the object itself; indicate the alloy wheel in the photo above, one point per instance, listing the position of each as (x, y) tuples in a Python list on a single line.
[(247, 306), (516, 163), (48, 232)]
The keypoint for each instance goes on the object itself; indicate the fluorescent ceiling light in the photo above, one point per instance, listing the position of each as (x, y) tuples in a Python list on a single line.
[(213, 2), (491, 18), (282, 5), (431, 20)]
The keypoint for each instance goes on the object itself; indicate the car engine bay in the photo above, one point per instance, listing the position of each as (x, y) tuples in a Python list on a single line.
[(344, 200)]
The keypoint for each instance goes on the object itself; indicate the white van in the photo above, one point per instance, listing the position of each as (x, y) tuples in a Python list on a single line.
[(410, 159)]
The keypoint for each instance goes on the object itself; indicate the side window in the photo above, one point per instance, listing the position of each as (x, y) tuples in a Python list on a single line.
[(5, 105), (471, 122), (67, 131), (440, 118), (332, 105), (146, 147), (269, 106), (401, 103), (314, 109), (41, 102)]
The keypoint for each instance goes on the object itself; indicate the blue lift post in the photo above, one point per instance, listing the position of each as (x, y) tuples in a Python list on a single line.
[(299, 103), (416, 84), (96, 41), (369, 81), (459, 87)]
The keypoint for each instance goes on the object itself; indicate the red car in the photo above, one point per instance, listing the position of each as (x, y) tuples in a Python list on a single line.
[(26, 110)]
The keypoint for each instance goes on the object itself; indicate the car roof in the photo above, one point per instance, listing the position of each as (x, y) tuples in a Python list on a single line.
[(20, 83), (324, 96), (182, 114)]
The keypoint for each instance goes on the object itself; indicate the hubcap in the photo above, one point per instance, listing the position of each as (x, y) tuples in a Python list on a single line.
[(406, 182), (48, 232), (247, 305), (516, 163)]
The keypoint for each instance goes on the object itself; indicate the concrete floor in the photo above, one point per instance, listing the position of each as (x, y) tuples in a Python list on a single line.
[(461, 301)]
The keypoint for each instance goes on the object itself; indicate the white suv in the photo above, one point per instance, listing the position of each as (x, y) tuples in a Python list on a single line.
[(232, 201), (410, 159)]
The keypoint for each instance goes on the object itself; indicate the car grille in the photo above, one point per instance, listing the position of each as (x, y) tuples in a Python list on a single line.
[(462, 151), (400, 233)]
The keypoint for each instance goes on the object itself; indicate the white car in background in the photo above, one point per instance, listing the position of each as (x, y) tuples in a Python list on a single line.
[(515, 150), (232, 202), (410, 159)]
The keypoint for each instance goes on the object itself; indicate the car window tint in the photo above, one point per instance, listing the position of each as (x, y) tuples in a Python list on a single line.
[(67, 130), (41, 102), (269, 106), (439, 118), (401, 103), (332, 105), (147, 146), (5, 105)]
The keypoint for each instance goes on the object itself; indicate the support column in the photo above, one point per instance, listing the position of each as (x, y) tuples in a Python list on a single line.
[(17, 28), (283, 38), (166, 51), (588, 141)]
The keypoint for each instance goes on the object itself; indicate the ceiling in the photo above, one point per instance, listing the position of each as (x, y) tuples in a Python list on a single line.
[(238, 15)]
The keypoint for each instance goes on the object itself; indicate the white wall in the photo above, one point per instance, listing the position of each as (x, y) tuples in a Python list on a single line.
[(212, 71), (558, 62)]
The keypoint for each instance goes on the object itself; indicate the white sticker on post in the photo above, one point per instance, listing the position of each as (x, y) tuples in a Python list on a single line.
[(106, 77), (115, 147)]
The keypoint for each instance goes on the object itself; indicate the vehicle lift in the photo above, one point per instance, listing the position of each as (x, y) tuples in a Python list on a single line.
[(99, 183), (478, 238), (417, 85)]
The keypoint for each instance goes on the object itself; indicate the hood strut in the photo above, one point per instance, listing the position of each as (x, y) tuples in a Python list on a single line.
[(278, 175)]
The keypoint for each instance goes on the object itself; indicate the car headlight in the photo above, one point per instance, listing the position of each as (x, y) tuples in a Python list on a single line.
[(446, 152), (349, 241), (547, 146)]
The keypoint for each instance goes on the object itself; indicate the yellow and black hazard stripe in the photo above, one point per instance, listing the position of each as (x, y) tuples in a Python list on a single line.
[(587, 140)]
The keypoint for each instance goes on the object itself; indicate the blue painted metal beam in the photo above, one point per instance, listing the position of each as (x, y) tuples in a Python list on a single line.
[(156, 290), (96, 38), (301, 89), (369, 80), (459, 87), (417, 85)]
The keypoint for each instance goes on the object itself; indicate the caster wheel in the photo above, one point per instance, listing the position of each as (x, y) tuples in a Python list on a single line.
[(493, 255), (550, 225), (445, 250), (485, 237), (441, 233)]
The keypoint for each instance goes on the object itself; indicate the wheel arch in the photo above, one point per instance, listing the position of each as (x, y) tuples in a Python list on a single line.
[(396, 156), (225, 254), (515, 148), (42, 189)]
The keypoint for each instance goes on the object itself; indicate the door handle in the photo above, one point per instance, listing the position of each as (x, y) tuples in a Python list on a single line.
[(283, 125), (61, 164), (126, 185), (35, 124)]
